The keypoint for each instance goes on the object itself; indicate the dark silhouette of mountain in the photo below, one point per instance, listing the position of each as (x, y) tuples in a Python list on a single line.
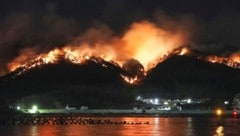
[(182, 76), (90, 83), (98, 84)]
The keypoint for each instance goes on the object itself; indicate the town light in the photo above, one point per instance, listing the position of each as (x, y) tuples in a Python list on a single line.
[(138, 98), (33, 110), (189, 101), (226, 102), (235, 113), (165, 103), (219, 112), (18, 108), (156, 101)]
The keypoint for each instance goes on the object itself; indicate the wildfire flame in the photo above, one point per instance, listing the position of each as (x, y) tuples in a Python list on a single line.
[(143, 41), (231, 61), (147, 43), (131, 80), (183, 51), (235, 57)]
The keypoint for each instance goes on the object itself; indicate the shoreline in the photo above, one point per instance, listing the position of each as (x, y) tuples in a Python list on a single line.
[(121, 113), (133, 113), (106, 117)]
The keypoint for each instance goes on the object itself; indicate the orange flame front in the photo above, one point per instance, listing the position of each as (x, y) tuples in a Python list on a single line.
[(143, 41), (232, 61)]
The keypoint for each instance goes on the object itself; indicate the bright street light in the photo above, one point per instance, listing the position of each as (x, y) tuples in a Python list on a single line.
[(156, 101), (18, 107), (34, 109)]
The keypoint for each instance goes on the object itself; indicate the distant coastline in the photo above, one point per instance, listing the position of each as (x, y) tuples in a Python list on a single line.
[(130, 112)]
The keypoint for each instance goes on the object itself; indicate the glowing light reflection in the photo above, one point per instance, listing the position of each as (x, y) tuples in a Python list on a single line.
[(219, 131)]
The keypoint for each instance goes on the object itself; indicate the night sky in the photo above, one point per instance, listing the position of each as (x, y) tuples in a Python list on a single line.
[(46, 24)]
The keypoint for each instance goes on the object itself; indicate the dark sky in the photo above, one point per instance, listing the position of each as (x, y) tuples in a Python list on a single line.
[(25, 23), (104, 9)]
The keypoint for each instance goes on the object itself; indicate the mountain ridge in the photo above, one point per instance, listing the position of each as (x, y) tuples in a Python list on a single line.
[(178, 76)]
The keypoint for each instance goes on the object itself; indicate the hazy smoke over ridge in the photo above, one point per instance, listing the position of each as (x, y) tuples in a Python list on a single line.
[(20, 32), (31, 34)]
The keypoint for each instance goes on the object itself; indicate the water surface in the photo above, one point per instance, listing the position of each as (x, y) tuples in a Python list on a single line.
[(158, 126)]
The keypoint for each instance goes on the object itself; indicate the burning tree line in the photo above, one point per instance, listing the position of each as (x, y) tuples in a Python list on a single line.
[(137, 51)]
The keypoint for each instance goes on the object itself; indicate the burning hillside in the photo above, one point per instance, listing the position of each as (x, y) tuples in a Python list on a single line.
[(143, 41), (138, 50)]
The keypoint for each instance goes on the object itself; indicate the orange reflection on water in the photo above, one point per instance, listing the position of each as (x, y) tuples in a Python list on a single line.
[(47, 130), (34, 131), (158, 127), (219, 131), (134, 126)]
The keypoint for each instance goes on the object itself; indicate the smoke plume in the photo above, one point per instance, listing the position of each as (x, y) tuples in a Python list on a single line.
[(24, 38)]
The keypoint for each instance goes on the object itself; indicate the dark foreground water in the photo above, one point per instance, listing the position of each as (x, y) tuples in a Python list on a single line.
[(158, 126)]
